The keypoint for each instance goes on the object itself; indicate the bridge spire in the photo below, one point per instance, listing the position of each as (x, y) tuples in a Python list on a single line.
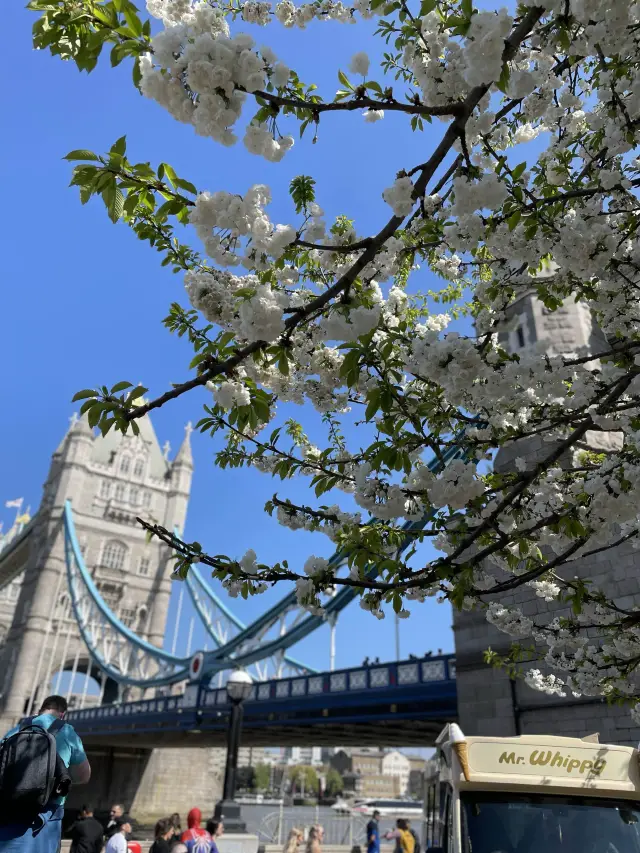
[(184, 455)]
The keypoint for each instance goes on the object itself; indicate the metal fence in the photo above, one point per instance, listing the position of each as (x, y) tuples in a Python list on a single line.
[(339, 829)]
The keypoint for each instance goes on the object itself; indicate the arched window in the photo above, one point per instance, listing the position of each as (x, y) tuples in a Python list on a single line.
[(105, 488), (146, 498), (120, 491), (134, 499), (125, 464), (138, 469), (114, 555), (142, 617)]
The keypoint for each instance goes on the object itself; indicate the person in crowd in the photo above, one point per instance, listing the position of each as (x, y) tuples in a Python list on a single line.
[(215, 828), (163, 834), (42, 834), (315, 839), (177, 830), (86, 833), (194, 819), (115, 813), (373, 833), (404, 839), (118, 841), (414, 835), (294, 840)]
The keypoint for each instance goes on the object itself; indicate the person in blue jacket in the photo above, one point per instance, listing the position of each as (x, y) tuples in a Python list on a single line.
[(373, 834), (43, 834)]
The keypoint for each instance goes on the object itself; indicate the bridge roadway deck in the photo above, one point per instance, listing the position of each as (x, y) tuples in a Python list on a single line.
[(395, 704)]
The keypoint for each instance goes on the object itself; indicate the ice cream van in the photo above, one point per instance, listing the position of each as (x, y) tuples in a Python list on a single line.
[(532, 794)]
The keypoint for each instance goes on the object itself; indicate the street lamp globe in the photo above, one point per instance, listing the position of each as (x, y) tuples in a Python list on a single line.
[(239, 685)]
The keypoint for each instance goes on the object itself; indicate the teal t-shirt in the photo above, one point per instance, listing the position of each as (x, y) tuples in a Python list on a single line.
[(68, 743)]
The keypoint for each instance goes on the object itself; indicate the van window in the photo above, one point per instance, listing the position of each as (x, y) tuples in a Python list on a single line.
[(430, 815)]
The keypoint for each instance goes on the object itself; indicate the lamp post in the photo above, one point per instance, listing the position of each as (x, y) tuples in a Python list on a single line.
[(227, 810)]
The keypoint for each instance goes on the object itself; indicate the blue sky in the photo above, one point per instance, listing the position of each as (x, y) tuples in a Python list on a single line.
[(84, 300)]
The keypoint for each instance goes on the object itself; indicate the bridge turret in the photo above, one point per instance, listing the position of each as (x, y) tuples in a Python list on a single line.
[(489, 703), (571, 328), (181, 473)]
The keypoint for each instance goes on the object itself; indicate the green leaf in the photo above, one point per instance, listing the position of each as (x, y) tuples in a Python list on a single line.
[(119, 146), (120, 386), (302, 191), (186, 185), (105, 425), (170, 173), (373, 401), (503, 82), (81, 154), (133, 21), (137, 74), (138, 391), (114, 200), (342, 77), (83, 395), (518, 171), (467, 8)]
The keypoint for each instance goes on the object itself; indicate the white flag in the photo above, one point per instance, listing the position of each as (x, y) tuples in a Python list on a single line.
[(17, 503)]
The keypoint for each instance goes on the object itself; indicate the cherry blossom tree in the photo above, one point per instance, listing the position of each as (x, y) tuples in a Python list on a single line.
[(321, 315)]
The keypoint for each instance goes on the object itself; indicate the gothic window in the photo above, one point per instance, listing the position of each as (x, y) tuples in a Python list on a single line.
[(128, 616), (142, 617), (114, 554), (105, 489), (120, 492), (146, 498), (139, 468), (125, 465), (134, 498), (518, 337), (111, 594), (144, 565)]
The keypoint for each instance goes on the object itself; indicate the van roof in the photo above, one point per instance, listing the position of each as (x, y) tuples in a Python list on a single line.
[(535, 761)]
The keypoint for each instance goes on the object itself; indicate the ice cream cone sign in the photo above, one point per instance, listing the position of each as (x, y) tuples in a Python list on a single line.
[(461, 749)]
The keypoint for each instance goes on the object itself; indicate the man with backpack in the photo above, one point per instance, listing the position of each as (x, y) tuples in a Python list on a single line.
[(39, 759)]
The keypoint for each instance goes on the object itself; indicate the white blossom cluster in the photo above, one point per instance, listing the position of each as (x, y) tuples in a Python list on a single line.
[(526, 237), (201, 74), (221, 219)]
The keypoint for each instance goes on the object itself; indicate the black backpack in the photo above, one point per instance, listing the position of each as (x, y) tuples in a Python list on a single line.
[(31, 772), (416, 841)]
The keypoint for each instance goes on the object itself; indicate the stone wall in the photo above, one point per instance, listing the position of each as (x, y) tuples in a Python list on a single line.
[(151, 783)]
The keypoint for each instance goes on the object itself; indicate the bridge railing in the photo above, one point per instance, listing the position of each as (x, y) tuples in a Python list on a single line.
[(369, 679), (339, 829)]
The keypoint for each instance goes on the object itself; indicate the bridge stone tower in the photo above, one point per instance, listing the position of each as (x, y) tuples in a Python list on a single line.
[(108, 481), (489, 702)]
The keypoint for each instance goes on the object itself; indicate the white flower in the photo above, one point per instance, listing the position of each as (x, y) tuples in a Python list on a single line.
[(399, 196), (248, 563), (359, 64), (315, 566), (372, 116)]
